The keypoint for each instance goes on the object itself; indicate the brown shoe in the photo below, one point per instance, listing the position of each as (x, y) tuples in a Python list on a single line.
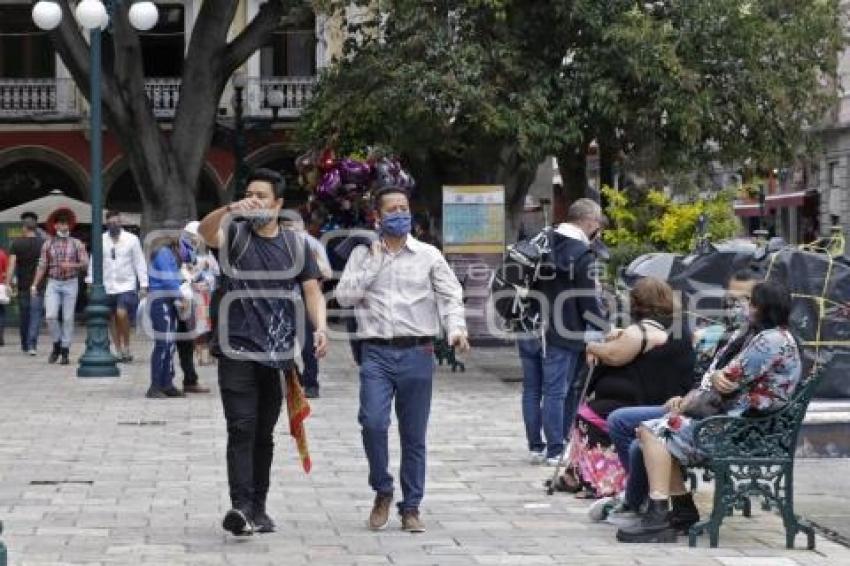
[(379, 518), (410, 521), (195, 388)]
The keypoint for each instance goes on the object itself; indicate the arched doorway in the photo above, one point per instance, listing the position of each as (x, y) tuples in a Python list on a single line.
[(25, 180), (123, 194)]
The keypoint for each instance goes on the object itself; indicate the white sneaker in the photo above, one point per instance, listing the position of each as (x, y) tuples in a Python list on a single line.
[(622, 515), (599, 509), (552, 462), (32, 352), (537, 458)]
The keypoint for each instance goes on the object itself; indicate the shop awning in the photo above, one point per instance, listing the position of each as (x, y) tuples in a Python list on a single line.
[(771, 202)]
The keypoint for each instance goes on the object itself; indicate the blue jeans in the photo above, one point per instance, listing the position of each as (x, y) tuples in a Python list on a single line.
[(545, 382), (29, 323), (406, 374), (61, 294), (621, 428), (164, 323)]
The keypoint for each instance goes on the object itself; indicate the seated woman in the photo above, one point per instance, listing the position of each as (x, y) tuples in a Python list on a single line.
[(646, 363), (760, 378)]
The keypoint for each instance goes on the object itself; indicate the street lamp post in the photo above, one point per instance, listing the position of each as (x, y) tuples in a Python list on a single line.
[(97, 360)]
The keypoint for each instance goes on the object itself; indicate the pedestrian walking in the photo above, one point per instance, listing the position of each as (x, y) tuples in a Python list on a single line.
[(62, 260), (254, 335), (20, 275), (4, 294), (166, 301), (125, 276), (310, 364), (551, 357), (193, 320), (402, 289)]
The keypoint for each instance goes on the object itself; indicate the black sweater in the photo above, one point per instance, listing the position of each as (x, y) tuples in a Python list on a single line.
[(571, 273)]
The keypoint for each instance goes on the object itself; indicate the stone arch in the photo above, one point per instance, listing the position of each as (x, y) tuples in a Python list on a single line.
[(74, 172), (118, 176)]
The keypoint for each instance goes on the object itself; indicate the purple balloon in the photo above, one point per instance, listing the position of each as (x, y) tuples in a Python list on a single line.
[(329, 184), (354, 172)]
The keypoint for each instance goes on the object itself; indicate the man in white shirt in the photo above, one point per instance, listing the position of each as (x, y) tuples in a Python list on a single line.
[(403, 292), (125, 271)]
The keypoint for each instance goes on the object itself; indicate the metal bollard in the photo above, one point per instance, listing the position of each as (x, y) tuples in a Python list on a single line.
[(2, 548)]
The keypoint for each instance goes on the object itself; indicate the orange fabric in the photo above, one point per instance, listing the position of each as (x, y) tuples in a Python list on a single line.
[(298, 409)]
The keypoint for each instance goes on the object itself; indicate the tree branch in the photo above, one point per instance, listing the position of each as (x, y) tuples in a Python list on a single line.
[(75, 53)]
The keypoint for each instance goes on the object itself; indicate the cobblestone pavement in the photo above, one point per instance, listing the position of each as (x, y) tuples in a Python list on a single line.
[(91, 472)]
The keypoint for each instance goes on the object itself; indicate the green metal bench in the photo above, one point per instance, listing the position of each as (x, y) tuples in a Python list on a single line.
[(754, 456)]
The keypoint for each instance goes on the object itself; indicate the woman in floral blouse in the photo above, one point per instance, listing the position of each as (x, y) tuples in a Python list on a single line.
[(760, 378)]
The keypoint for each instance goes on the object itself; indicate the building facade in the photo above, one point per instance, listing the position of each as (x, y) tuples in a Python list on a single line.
[(44, 137)]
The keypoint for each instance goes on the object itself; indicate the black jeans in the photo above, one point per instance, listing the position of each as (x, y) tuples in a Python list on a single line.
[(252, 396), (186, 353)]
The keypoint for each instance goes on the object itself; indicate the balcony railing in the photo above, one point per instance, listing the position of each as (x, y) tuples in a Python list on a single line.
[(37, 98), (29, 99), (297, 92), (164, 95)]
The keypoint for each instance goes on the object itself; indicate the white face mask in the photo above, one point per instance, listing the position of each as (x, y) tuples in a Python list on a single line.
[(63, 233)]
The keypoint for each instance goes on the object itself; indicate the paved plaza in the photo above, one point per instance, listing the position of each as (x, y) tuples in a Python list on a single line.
[(91, 472)]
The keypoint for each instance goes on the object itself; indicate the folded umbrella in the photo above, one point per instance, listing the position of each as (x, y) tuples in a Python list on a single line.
[(298, 409)]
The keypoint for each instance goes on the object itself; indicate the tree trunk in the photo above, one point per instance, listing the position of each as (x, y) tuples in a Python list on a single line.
[(167, 168), (573, 167)]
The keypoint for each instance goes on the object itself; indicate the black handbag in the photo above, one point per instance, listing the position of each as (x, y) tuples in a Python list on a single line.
[(702, 403)]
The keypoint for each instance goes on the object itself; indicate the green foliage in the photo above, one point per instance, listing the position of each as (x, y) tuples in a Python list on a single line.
[(652, 219), (479, 90)]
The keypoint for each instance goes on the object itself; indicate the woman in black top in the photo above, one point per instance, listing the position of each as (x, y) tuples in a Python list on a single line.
[(644, 364)]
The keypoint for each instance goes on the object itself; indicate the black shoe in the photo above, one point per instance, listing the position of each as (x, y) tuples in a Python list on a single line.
[(312, 392), (262, 522), (54, 355), (64, 361), (237, 522), (654, 527), (173, 392), (155, 393), (684, 513)]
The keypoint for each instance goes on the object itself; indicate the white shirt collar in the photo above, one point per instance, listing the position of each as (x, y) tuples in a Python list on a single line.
[(572, 231)]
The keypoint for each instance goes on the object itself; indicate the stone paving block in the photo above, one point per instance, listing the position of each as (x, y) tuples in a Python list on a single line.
[(159, 492)]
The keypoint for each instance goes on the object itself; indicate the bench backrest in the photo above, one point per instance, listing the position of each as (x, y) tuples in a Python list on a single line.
[(770, 437)]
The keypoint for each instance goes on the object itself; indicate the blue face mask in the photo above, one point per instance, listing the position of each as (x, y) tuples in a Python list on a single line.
[(187, 251), (396, 224)]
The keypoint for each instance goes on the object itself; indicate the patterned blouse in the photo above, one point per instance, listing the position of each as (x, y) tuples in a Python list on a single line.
[(768, 370)]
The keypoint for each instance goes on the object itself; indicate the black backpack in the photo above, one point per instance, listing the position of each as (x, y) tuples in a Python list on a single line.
[(513, 282)]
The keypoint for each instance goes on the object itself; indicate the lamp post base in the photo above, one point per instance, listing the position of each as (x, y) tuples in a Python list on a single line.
[(3, 556), (97, 361)]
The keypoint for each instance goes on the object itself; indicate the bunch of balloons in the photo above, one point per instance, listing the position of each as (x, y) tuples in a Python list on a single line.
[(330, 177)]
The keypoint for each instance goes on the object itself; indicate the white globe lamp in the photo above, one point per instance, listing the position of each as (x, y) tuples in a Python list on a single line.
[(90, 14), (143, 15), (46, 15)]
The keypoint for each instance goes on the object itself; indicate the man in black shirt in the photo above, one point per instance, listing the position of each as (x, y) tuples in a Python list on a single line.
[(23, 262), (254, 336)]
